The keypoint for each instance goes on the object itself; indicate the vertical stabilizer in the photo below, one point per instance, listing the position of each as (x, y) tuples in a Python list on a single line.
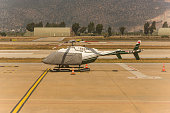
[(137, 45)]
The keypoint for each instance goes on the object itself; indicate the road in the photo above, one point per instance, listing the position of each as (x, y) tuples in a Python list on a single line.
[(147, 53)]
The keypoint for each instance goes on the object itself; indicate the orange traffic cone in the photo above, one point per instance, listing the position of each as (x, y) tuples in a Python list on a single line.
[(163, 69), (86, 67), (73, 73)]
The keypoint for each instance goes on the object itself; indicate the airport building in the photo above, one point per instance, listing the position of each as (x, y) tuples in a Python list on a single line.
[(164, 31), (52, 31)]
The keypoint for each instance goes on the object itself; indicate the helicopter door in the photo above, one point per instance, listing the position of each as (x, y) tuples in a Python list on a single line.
[(61, 58)]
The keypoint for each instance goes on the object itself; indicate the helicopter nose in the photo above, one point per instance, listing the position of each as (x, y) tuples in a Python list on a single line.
[(45, 60), (49, 59)]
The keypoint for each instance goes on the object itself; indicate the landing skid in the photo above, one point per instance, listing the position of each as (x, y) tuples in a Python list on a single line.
[(69, 69)]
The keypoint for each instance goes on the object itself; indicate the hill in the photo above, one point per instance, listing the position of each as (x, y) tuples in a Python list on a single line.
[(15, 14)]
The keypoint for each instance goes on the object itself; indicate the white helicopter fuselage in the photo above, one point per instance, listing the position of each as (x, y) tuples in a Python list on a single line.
[(78, 55), (87, 53)]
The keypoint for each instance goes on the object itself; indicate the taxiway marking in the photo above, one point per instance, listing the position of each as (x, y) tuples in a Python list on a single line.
[(16, 53), (17, 50), (21, 103), (135, 72)]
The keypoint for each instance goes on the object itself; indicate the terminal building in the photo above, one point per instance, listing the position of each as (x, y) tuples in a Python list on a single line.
[(164, 31), (52, 31)]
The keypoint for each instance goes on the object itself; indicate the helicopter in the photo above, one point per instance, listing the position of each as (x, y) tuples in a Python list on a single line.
[(79, 55)]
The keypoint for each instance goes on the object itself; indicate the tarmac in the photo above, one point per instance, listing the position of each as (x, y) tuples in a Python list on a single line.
[(147, 53), (107, 88)]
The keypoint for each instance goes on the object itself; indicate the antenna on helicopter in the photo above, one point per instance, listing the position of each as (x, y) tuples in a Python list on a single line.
[(72, 42)]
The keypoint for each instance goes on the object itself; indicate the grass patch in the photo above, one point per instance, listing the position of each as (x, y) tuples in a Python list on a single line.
[(165, 60), (113, 38), (25, 47), (49, 47), (17, 39)]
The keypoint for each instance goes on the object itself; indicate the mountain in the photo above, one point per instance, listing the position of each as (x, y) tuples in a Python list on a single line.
[(15, 14)]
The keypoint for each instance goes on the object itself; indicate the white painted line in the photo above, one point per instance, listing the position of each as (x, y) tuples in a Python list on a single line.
[(16, 53), (19, 50), (133, 69), (135, 72)]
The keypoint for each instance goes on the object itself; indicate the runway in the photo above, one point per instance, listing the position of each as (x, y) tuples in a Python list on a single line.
[(147, 53), (25, 53), (101, 90), (116, 42)]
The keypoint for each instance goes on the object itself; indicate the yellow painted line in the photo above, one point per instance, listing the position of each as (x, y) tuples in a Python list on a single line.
[(20, 104)]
